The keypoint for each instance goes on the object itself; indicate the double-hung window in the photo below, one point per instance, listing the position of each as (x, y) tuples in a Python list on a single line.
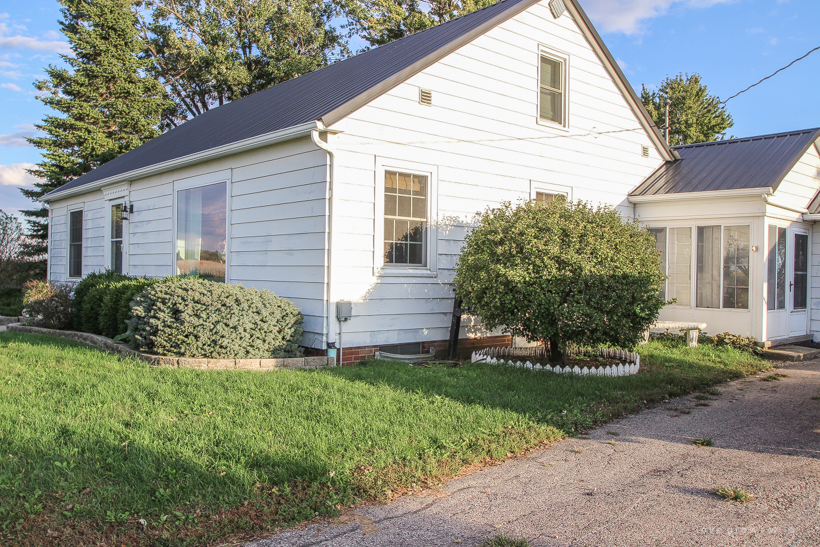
[(75, 243), (116, 238), (551, 89), (405, 218), (675, 246)]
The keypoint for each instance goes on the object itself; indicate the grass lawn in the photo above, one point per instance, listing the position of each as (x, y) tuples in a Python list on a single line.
[(95, 448)]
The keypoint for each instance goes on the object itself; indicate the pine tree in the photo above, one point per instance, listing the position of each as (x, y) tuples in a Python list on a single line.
[(104, 103), (694, 115)]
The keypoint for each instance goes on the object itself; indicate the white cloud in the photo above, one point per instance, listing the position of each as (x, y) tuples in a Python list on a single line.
[(16, 139), (49, 43), (625, 16), (16, 175), (13, 87)]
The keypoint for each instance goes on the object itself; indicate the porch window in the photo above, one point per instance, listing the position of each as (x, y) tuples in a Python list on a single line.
[(708, 280), (201, 231), (660, 244), (405, 218), (736, 267), (551, 107), (679, 266), (777, 269), (116, 238), (75, 244)]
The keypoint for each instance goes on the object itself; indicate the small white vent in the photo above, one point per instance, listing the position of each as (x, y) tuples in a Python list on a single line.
[(425, 97), (557, 8), (644, 151)]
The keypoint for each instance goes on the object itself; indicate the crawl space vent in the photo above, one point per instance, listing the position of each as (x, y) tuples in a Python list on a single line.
[(425, 97)]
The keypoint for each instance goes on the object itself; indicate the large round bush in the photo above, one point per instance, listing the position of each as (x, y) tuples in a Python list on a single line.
[(566, 272), (197, 318)]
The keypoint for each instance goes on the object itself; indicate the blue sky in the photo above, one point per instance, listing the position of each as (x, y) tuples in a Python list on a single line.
[(731, 43)]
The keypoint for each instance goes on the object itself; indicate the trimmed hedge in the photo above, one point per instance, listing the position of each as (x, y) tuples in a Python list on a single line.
[(48, 304), (116, 304), (197, 318), (81, 291)]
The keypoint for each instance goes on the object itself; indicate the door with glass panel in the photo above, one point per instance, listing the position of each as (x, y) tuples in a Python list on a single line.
[(787, 282), (798, 284)]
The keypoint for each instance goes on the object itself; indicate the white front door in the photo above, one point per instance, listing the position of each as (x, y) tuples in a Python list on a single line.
[(787, 281)]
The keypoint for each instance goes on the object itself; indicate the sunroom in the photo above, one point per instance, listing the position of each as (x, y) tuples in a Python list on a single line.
[(733, 222)]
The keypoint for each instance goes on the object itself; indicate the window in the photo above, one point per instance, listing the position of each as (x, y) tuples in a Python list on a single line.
[(116, 238), (675, 246), (551, 100), (545, 198), (708, 280), (679, 266), (201, 231), (801, 264), (736, 267), (405, 218), (75, 244), (777, 269), (660, 244)]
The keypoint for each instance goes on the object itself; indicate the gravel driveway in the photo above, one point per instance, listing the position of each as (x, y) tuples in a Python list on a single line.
[(636, 481)]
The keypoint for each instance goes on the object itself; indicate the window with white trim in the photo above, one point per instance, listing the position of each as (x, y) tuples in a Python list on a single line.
[(405, 218), (551, 97), (75, 243), (201, 231), (116, 237)]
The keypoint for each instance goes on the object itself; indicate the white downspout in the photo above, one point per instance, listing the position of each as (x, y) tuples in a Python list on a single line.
[(330, 325)]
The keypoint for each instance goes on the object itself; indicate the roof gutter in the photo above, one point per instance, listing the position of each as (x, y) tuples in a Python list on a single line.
[(764, 191), (623, 85), (259, 141)]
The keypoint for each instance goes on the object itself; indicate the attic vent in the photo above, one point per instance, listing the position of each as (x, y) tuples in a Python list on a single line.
[(557, 8), (644, 151), (425, 97)]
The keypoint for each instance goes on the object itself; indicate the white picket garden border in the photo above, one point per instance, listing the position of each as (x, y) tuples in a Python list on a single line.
[(627, 369)]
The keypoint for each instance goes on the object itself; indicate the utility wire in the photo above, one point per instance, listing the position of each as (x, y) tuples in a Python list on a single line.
[(770, 75)]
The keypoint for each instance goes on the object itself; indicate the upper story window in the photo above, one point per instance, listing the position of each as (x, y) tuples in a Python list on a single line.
[(75, 243), (552, 89), (405, 218), (201, 231), (545, 198)]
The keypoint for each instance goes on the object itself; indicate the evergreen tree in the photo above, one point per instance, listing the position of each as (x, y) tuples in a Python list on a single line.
[(103, 101), (694, 115)]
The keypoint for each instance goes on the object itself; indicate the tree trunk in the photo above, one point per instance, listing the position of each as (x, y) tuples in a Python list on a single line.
[(557, 355)]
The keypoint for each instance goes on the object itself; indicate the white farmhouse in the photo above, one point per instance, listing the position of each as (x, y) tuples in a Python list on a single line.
[(358, 182)]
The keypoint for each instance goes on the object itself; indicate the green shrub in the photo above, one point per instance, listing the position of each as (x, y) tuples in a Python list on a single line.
[(116, 304), (48, 304), (567, 272), (82, 289), (197, 318), (11, 301)]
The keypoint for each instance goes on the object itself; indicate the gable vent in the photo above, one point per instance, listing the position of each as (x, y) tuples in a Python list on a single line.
[(645, 151), (425, 97), (557, 8)]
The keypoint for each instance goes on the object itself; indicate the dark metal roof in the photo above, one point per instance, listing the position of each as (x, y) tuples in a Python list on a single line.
[(754, 162), (328, 94)]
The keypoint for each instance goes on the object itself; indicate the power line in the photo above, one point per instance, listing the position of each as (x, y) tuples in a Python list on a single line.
[(770, 75)]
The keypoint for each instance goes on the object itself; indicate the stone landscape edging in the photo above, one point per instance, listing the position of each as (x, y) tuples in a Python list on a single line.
[(119, 348)]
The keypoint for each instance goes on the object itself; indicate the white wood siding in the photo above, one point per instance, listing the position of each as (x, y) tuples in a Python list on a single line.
[(482, 137), (801, 183), (277, 225)]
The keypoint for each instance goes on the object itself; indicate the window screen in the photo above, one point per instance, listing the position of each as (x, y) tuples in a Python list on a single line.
[(736, 267), (660, 244), (801, 264), (679, 266), (709, 265), (75, 244), (405, 218)]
